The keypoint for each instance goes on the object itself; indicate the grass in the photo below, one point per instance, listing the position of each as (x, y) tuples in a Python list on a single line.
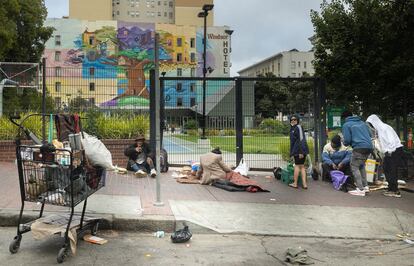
[(251, 144)]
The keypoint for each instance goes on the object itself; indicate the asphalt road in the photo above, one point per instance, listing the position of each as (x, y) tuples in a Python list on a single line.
[(129, 248)]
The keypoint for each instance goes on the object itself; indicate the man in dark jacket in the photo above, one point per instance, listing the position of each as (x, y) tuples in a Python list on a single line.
[(140, 158), (335, 156), (357, 135)]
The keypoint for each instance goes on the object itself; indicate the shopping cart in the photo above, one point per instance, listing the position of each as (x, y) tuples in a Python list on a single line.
[(61, 177)]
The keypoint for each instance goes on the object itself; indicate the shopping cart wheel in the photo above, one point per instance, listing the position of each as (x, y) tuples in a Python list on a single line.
[(94, 229), (63, 253), (15, 244)]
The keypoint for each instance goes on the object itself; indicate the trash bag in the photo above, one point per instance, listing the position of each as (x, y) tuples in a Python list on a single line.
[(242, 168), (181, 236), (277, 172)]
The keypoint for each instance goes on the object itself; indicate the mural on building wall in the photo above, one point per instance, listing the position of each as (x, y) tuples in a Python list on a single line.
[(124, 52)]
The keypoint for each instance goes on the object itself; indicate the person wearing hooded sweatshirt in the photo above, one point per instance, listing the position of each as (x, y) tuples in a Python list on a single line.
[(390, 145), (357, 135), (298, 150)]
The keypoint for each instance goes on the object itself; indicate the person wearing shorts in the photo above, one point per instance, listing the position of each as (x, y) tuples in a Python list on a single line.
[(298, 150)]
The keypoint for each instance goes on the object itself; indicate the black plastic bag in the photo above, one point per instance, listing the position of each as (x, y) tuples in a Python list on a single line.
[(181, 236), (277, 172)]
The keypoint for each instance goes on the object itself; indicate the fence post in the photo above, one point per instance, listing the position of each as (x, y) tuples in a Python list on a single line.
[(162, 112), (152, 108), (239, 120), (405, 113), (44, 100), (316, 120), (322, 119)]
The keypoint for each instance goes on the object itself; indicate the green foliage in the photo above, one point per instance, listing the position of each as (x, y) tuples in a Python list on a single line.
[(22, 34), (364, 51), (121, 127), (30, 100), (274, 126), (191, 124)]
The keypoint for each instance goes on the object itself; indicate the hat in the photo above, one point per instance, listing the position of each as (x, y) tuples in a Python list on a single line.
[(336, 141), (216, 150), (140, 137)]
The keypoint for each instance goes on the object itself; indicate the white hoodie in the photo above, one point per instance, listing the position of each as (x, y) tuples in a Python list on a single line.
[(388, 138)]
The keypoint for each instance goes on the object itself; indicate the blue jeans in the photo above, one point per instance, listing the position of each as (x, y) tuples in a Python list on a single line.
[(143, 166)]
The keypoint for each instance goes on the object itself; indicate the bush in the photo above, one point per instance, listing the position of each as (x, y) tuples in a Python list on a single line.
[(191, 124), (284, 149), (274, 126)]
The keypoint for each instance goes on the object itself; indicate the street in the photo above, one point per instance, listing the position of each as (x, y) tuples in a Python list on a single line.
[(128, 248)]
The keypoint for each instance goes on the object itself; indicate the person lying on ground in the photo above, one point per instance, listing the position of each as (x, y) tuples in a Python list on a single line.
[(335, 156), (212, 167), (390, 145), (140, 158)]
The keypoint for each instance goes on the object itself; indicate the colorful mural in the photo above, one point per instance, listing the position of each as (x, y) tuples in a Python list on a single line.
[(122, 53)]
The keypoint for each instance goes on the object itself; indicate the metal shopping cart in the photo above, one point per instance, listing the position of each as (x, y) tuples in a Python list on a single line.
[(61, 177)]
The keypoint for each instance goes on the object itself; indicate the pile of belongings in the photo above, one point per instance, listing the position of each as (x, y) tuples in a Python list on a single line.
[(236, 182), (186, 175), (297, 256)]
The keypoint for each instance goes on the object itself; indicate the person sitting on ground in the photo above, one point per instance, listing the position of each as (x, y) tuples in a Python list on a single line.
[(212, 167), (357, 135), (140, 158), (390, 145), (335, 156)]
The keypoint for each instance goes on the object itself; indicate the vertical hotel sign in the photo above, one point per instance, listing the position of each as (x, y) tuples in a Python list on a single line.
[(218, 45)]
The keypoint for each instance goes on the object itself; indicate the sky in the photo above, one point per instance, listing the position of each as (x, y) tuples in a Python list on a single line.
[(262, 28)]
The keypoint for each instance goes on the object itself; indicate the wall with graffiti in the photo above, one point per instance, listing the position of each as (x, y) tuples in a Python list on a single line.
[(116, 57)]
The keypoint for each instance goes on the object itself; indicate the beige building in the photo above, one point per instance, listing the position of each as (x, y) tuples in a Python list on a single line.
[(179, 12), (291, 63)]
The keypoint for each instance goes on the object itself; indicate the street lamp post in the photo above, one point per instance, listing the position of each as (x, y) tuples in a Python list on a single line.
[(204, 14)]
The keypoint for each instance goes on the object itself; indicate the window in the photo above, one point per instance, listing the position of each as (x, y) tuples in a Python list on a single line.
[(294, 75), (92, 86), (192, 102), (58, 102), (165, 14), (165, 3), (179, 42), (148, 3), (171, 4), (298, 64), (92, 40), (192, 42), (159, 3), (57, 40), (192, 87), (159, 14), (304, 64), (171, 15), (92, 71), (180, 101), (58, 71), (193, 57), (293, 64), (193, 72), (148, 13), (57, 56), (58, 86), (179, 87), (179, 72), (179, 57), (273, 68), (152, 14), (278, 67)]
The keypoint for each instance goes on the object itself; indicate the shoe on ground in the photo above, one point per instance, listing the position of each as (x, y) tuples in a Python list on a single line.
[(140, 173), (153, 173), (357, 192), (392, 194), (366, 189)]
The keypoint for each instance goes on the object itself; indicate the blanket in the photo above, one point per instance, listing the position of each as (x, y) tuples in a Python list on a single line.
[(239, 181)]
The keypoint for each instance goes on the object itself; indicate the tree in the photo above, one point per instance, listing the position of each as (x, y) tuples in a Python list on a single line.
[(22, 34), (364, 51)]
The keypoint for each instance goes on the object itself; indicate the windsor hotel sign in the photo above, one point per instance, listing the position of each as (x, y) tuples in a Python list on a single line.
[(225, 49)]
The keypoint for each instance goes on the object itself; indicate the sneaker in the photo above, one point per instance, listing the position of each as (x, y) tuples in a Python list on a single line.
[(357, 192), (140, 173), (153, 173), (366, 189), (392, 194)]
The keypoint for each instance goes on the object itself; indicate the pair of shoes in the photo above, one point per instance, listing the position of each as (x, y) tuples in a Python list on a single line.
[(392, 194), (153, 173), (357, 192), (140, 173), (366, 189), (292, 185)]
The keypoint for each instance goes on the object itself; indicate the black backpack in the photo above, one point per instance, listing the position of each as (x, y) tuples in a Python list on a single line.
[(163, 161)]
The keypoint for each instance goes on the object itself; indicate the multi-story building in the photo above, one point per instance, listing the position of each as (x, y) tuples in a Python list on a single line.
[(180, 12), (291, 63)]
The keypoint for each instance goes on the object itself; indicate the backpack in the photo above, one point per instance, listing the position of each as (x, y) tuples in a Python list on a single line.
[(163, 161)]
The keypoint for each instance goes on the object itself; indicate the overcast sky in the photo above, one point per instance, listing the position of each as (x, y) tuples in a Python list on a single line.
[(262, 28)]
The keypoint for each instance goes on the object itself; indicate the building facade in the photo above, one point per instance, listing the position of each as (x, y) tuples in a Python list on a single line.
[(107, 63), (291, 63), (180, 12)]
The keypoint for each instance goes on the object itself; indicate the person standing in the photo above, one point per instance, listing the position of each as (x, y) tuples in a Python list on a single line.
[(298, 150), (357, 135), (390, 145)]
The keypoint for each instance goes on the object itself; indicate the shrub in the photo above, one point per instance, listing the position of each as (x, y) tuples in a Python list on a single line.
[(274, 126), (191, 124)]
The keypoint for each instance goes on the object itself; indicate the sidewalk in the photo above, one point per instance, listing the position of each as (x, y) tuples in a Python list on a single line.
[(128, 203)]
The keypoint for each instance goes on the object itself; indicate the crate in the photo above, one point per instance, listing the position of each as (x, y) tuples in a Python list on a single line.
[(287, 175)]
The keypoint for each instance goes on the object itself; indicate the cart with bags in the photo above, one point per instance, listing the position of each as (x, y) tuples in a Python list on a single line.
[(55, 175)]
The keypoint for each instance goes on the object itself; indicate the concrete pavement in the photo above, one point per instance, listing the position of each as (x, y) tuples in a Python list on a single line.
[(127, 203)]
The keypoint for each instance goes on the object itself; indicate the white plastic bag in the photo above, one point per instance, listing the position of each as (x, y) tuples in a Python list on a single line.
[(96, 152), (242, 168)]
